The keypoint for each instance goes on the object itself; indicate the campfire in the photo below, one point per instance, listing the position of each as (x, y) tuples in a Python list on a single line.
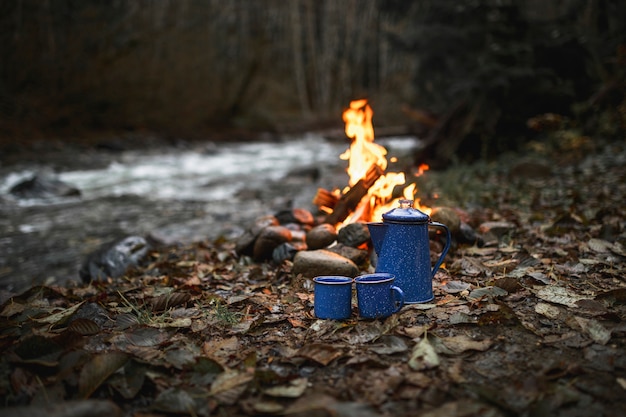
[(371, 191)]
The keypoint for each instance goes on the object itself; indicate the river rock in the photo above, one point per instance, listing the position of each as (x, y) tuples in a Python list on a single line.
[(447, 216), (358, 256), (287, 251), (321, 236), (467, 234), (43, 187), (496, 228), (353, 234), (297, 215), (268, 240), (245, 243), (322, 262), (114, 259)]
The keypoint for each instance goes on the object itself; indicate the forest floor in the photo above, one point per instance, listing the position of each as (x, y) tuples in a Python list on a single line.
[(531, 322)]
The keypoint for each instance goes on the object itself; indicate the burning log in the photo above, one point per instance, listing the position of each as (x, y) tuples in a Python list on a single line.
[(350, 200), (325, 198)]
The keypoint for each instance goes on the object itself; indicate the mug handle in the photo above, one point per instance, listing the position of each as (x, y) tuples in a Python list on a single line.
[(445, 248), (398, 298)]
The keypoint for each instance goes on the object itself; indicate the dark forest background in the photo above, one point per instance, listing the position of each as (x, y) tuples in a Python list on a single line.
[(466, 74)]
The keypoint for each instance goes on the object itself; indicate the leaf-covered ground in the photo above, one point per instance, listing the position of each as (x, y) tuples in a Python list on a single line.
[(530, 322)]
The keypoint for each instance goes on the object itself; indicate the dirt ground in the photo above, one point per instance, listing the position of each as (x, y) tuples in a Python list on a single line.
[(529, 320)]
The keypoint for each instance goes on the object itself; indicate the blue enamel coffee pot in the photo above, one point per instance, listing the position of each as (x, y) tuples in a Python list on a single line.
[(401, 243)]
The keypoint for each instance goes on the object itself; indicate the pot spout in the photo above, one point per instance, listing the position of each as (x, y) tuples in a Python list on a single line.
[(378, 230)]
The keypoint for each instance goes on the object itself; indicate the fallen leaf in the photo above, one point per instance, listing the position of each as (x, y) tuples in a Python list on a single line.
[(453, 287), (423, 356), (463, 343), (39, 350), (187, 401), (84, 327), (12, 309), (460, 317), (389, 344), (147, 336), (490, 291), (165, 301), (595, 330), (221, 349), (599, 245), (320, 353), (228, 386), (548, 310), (559, 295), (96, 371), (59, 316), (294, 389)]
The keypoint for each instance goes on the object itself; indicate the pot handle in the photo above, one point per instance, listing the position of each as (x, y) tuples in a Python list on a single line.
[(445, 248)]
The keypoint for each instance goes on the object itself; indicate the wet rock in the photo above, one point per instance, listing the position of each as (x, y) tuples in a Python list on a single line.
[(353, 234), (358, 256), (467, 234), (93, 312), (297, 215), (268, 240), (322, 262), (447, 216), (114, 259), (287, 251), (245, 243), (321, 236), (496, 229), (42, 187)]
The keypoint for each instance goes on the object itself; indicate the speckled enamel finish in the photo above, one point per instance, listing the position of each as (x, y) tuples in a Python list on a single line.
[(401, 243), (377, 297), (332, 297)]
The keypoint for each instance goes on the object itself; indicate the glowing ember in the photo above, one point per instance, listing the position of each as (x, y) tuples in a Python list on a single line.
[(362, 154)]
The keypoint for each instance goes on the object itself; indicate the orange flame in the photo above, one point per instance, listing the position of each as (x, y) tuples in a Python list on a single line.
[(362, 154)]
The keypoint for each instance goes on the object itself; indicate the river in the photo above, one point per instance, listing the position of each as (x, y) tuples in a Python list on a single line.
[(168, 193)]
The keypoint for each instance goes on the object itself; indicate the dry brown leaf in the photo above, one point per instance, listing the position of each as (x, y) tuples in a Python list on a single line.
[(462, 343), (229, 385), (84, 327), (294, 389), (60, 315), (320, 353), (95, 372), (594, 329), (165, 301), (423, 356), (559, 295)]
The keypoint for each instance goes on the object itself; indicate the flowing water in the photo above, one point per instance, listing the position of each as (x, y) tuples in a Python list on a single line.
[(166, 193)]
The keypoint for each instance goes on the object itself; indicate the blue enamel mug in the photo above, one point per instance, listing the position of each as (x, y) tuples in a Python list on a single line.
[(377, 297), (332, 297)]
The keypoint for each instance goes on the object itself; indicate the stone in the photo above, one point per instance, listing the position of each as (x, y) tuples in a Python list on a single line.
[(43, 188), (358, 256), (447, 216), (311, 264), (287, 251), (321, 236), (113, 260), (267, 240), (496, 229), (298, 215), (353, 234), (467, 234), (245, 243)]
